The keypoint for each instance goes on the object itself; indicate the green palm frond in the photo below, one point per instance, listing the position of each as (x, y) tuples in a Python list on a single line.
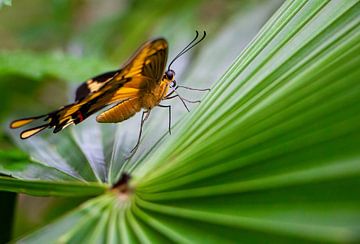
[(271, 153)]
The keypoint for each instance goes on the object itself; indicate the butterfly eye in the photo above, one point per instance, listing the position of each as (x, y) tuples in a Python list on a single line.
[(173, 84), (170, 74)]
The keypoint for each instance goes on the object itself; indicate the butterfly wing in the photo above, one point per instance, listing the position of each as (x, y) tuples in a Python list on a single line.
[(147, 65), (94, 84), (148, 62)]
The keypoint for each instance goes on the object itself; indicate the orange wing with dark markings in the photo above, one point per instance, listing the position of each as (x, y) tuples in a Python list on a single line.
[(94, 84), (146, 65)]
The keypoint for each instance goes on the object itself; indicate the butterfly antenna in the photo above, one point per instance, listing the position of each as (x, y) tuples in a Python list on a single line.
[(181, 52), (188, 47)]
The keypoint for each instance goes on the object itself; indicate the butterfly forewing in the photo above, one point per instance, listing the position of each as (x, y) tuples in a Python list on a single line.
[(145, 68), (152, 54), (94, 84)]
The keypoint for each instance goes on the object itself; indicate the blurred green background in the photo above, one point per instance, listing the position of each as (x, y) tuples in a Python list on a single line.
[(48, 47)]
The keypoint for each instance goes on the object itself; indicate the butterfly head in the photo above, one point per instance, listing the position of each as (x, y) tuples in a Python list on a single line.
[(170, 77)]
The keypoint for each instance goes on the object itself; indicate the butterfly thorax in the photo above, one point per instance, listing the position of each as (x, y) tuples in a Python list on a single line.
[(152, 95)]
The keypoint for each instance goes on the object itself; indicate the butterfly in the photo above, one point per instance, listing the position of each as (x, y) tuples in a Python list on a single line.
[(141, 84)]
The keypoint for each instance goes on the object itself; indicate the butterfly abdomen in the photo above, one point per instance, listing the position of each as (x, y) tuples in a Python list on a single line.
[(120, 112)]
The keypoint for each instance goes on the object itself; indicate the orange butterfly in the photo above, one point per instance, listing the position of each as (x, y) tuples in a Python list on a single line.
[(140, 84)]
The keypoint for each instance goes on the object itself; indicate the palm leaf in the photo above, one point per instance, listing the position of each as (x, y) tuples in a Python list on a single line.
[(270, 154)]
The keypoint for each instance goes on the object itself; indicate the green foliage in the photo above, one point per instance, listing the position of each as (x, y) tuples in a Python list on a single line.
[(48, 188), (17, 164), (5, 2), (271, 153), (57, 65)]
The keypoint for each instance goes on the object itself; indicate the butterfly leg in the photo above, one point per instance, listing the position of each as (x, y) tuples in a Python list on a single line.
[(168, 96), (186, 100), (183, 100), (144, 117), (169, 107), (193, 89)]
